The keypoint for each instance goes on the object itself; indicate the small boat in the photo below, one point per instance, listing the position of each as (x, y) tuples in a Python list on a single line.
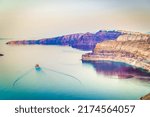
[(37, 67)]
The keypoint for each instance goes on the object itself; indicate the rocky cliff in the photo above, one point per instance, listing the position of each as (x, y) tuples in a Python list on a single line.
[(131, 48), (82, 41)]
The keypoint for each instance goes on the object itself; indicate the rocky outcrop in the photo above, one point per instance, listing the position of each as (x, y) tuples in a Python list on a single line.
[(146, 97), (1, 54), (82, 41), (131, 48)]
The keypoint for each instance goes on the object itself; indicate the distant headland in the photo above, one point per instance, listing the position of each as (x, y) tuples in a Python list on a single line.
[(82, 41)]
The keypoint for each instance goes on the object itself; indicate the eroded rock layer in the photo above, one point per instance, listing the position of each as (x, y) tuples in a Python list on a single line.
[(131, 48)]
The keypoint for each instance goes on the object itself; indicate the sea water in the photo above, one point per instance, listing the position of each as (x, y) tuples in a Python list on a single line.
[(64, 75)]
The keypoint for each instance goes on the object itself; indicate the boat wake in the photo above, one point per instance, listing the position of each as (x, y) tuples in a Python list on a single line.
[(22, 76), (73, 77), (42, 72)]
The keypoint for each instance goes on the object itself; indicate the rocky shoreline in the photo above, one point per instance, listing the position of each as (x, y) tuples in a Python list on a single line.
[(131, 48), (146, 97)]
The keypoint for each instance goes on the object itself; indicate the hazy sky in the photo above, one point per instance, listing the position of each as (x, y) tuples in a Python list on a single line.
[(32, 19)]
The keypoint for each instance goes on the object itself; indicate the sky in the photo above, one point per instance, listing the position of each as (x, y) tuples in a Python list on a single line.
[(35, 19)]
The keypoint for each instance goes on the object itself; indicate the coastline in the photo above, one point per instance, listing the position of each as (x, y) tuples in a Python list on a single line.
[(131, 48), (131, 61)]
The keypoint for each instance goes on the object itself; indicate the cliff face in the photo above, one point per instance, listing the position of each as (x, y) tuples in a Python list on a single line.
[(85, 41), (132, 48)]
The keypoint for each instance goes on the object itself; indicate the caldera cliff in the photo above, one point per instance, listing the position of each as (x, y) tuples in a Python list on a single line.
[(83, 41), (132, 48)]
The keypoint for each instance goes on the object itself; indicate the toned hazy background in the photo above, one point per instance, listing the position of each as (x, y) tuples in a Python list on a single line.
[(32, 19)]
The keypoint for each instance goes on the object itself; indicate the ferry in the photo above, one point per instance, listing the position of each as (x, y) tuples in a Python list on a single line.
[(37, 67)]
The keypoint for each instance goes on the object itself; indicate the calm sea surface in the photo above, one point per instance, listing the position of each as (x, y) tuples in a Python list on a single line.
[(65, 76)]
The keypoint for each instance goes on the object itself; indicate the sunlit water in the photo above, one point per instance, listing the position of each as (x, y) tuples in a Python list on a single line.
[(63, 75)]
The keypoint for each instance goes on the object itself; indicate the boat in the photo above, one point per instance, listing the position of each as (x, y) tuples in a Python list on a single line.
[(37, 67)]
